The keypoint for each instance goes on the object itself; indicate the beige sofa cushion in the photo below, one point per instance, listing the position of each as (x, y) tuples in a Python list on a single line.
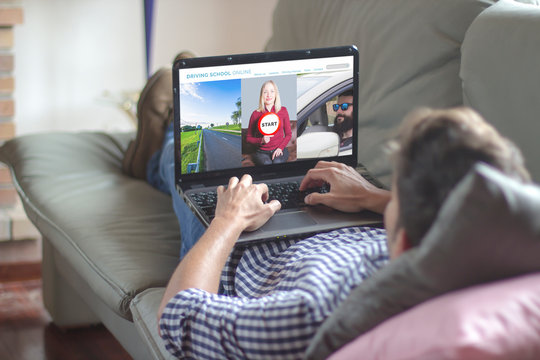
[(144, 309), (501, 73), (409, 56)]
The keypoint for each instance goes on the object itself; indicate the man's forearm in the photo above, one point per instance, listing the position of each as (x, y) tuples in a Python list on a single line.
[(201, 267), (240, 207)]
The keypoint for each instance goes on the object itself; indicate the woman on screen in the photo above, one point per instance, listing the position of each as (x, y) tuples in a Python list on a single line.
[(270, 134)]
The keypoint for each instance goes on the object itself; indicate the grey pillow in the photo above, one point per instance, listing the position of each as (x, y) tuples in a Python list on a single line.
[(487, 229)]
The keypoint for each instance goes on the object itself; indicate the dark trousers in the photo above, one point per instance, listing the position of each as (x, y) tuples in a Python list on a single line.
[(263, 157)]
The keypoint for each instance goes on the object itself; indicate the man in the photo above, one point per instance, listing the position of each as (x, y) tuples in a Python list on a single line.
[(267, 300), (343, 123)]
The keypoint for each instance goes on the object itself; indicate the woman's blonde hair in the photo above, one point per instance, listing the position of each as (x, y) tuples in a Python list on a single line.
[(277, 101)]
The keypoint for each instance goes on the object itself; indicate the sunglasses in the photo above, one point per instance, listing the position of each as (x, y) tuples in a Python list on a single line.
[(343, 106)]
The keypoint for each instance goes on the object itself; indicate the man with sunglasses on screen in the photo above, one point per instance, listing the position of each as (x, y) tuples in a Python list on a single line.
[(343, 123)]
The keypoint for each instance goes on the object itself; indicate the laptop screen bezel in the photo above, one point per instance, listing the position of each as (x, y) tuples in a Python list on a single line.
[(258, 173)]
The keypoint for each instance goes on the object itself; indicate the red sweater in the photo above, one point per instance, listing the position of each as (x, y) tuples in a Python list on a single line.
[(280, 139)]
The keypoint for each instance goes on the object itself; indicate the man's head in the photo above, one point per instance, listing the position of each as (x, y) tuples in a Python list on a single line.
[(433, 152), (344, 113)]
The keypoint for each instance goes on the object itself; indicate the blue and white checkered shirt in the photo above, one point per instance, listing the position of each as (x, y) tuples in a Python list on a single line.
[(275, 295)]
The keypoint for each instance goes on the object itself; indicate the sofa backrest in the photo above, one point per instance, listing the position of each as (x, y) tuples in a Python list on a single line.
[(409, 56), (500, 70)]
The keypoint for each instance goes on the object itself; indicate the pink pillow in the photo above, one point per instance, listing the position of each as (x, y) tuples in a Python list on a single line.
[(500, 320)]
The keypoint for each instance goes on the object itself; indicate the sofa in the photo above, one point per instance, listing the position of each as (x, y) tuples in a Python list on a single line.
[(110, 242)]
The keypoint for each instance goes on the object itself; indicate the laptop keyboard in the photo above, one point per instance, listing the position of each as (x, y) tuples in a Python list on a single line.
[(287, 193)]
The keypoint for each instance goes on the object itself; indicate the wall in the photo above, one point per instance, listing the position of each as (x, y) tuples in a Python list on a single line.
[(76, 61), (211, 27)]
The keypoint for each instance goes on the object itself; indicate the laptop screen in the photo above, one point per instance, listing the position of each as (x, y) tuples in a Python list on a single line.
[(262, 112)]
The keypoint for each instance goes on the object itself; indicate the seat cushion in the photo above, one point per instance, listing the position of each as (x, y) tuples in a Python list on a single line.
[(119, 233)]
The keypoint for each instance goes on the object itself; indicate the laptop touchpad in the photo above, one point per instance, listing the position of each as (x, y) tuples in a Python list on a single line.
[(289, 220)]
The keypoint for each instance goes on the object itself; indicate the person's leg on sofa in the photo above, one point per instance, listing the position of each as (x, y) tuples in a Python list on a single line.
[(160, 174), (151, 155)]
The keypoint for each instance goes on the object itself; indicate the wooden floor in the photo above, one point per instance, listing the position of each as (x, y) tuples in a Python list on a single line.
[(26, 330)]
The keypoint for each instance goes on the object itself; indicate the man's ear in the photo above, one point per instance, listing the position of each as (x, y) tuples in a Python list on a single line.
[(401, 244)]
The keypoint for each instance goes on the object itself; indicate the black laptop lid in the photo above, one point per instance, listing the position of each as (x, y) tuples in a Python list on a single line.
[(227, 124)]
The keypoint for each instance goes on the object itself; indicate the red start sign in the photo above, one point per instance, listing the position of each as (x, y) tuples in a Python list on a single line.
[(269, 124)]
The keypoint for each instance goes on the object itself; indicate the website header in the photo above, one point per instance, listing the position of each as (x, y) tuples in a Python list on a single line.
[(275, 68)]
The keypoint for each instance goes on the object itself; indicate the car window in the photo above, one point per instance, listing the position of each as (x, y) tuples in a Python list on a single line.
[(306, 83), (323, 115), (316, 111), (331, 112)]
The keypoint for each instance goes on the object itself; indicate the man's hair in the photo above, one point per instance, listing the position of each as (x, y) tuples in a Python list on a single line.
[(433, 152), (349, 92)]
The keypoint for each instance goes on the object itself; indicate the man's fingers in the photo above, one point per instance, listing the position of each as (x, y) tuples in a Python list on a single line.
[(232, 182), (246, 180), (274, 205), (317, 198), (323, 164), (264, 213), (327, 164), (323, 172), (263, 191), (314, 177), (337, 166)]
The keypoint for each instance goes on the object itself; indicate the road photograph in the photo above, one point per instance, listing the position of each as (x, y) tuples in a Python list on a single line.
[(210, 114)]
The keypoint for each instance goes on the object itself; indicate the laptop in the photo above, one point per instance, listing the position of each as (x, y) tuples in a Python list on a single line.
[(227, 123)]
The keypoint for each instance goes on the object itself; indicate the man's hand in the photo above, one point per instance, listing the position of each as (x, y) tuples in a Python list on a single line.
[(266, 139), (240, 207), (276, 153), (349, 191), (244, 202)]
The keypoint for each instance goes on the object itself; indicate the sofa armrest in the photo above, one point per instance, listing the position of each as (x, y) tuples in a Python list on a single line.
[(119, 234)]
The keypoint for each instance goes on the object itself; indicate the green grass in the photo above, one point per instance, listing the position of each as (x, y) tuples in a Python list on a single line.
[(189, 147), (227, 127)]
